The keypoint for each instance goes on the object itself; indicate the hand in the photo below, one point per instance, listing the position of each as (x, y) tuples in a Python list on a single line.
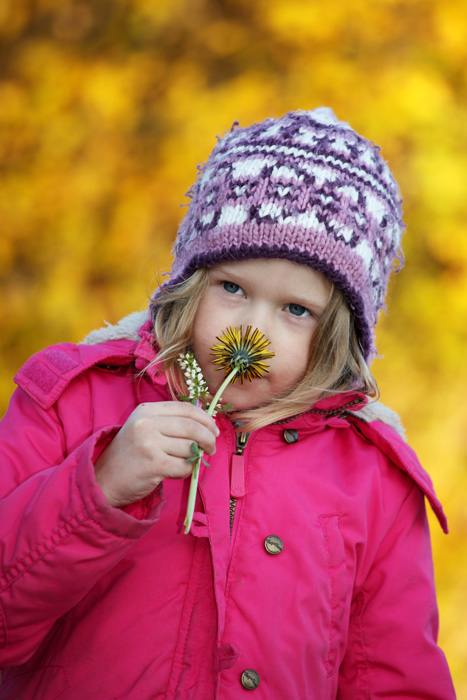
[(152, 446)]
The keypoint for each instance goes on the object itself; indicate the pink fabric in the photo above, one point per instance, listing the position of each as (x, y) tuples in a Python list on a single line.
[(100, 603)]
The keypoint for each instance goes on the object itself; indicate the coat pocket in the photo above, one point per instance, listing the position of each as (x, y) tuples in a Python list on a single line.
[(338, 587)]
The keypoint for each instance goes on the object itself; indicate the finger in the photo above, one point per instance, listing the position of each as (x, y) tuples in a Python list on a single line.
[(181, 449), (186, 429), (181, 409), (177, 468)]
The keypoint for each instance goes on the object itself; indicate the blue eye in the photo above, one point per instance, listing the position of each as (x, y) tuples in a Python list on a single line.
[(298, 310), (231, 287)]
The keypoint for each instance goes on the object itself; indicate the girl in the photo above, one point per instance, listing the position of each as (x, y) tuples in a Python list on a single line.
[(307, 571)]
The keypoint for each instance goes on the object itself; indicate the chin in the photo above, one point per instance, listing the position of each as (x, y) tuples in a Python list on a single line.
[(244, 398)]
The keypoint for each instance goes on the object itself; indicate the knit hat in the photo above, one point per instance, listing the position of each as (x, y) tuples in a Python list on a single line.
[(304, 187)]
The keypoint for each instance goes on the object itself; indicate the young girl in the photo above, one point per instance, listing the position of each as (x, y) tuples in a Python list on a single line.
[(307, 570)]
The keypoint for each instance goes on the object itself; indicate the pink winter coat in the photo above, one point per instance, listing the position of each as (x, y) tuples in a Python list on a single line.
[(324, 589)]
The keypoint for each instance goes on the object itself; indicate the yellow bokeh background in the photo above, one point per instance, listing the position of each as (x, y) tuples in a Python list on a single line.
[(106, 108)]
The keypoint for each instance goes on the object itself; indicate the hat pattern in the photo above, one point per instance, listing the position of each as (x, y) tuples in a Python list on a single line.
[(305, 187)]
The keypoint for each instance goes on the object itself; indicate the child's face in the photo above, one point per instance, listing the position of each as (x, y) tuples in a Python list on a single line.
[(284, 300)]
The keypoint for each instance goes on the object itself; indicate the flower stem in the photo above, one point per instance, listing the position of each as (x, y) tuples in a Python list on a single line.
[(195, 473), (219, 392)]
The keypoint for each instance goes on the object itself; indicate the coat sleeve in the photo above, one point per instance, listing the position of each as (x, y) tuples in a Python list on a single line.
[(392, 648), (58, 535)]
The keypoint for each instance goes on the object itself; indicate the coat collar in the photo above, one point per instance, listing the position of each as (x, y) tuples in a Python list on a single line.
[(138, 327)]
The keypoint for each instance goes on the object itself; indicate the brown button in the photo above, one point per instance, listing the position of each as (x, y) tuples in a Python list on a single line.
[(273, 544), (250, 679), (290, 436)]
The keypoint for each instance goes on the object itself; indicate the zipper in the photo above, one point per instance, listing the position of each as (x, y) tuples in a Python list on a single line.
[(237, 476)]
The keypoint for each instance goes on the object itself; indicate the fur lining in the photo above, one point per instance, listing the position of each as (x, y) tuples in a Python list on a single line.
[(127, 329), (375, 410)]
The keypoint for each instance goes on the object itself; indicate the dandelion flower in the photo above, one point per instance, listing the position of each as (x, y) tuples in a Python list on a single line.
[(244, 353)]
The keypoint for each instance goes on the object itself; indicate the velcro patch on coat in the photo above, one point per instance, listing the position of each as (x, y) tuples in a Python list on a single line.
[(47, 370), (46, 374)]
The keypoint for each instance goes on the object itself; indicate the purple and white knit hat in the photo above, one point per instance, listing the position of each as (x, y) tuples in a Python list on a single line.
[(304, 187)]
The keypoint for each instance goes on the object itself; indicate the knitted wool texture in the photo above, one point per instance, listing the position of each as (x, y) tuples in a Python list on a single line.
[(304, 187)]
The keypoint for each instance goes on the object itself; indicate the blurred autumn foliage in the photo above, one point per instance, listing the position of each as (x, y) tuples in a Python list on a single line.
[(107, 106)]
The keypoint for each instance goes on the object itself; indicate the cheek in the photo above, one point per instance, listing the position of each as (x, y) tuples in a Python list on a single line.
[(296, 342), (201, 349), (292, 360), (203, 338)]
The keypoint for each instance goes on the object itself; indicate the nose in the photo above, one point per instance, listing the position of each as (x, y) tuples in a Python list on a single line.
[(256, 316), (259, 316)]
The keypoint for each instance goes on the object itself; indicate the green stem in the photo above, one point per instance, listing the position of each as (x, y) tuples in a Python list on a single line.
[(220, 391), (195, 473)]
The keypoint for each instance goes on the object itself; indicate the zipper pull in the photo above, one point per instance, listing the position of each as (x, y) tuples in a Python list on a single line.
[(237, 476)]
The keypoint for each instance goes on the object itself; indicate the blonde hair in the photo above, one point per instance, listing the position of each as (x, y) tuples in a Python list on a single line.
[(336, 363)]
